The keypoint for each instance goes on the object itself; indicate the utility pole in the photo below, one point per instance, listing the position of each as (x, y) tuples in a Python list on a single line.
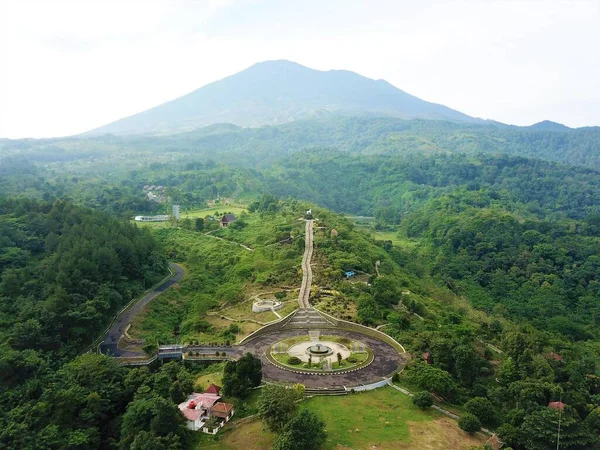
[(559, 419)]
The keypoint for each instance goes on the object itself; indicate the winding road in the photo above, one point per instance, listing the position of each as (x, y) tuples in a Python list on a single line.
[(109, 345)]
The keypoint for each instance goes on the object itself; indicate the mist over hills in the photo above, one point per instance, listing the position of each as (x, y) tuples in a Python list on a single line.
[(276, 92)]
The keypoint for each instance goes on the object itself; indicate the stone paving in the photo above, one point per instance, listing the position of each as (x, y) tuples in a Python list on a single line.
[(386, 361)]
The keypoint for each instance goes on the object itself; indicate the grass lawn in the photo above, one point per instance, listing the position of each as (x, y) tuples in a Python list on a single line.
[(247, 436), (364, 420), (383, 419), (396, 239)]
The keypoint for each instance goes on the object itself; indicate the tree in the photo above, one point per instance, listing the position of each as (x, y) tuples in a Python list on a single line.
[(540, 430), (481, 408), (469, 423), (156, 415), (304, 432), (277, 405), (145, 440), (433, 379), (423, 399), (242, 375), (339, 358), (199, 224)]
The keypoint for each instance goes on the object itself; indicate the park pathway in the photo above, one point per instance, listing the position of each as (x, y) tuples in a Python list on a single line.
[(306, 269)]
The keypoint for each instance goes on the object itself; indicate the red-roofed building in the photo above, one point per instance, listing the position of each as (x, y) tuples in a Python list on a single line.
[(213, 389), (556, 405), (334, 232), (223, 410), (427, 358), (199, 408), (554, 356)]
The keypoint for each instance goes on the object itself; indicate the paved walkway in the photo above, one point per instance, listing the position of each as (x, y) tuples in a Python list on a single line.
[(306, 269), (109, 345), (386, 361)]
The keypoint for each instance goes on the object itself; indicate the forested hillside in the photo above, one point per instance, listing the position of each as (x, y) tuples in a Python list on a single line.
[(65, 271), (258, 147), (488, 260), (390, 186)]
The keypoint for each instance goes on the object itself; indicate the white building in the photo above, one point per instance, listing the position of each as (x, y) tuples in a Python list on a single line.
[(159, 218)]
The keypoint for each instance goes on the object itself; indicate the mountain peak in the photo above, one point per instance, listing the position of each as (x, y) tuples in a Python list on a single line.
[(548, 125), (279, 91)]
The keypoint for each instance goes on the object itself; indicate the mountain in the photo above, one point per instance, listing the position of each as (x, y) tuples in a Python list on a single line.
[(275, 92), (548, 125)]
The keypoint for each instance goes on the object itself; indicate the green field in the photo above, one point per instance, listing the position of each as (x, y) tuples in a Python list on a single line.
[(382, 419), (222, 209)]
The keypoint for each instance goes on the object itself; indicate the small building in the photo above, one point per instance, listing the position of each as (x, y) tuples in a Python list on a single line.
[(334, 232), (556, 405), (160, 218), (226, 220), (223, 411), (554, 356), (213, 389), (350, 274), (204, 412)]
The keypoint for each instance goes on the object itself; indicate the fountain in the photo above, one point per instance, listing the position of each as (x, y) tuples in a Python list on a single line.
[(319, 350)]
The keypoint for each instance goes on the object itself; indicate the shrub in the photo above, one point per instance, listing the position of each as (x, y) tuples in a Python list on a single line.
[(422, 399), (294, 360), (352, 359), (469, 423), (396, 377)]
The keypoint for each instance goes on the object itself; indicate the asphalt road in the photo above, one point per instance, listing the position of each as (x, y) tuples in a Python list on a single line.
[(109, 346)]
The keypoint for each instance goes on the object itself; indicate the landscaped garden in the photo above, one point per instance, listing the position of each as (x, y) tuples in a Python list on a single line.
[(327, 353)]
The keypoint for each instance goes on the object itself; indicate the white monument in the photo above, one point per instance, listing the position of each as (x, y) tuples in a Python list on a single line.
[(176, 212)]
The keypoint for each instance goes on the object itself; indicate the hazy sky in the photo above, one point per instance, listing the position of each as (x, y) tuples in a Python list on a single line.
[(69, 66)]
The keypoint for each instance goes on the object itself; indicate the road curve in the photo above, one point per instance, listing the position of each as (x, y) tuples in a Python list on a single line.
[(109, 345), (304, 293)]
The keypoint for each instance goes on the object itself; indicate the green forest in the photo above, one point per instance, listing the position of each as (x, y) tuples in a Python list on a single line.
[(485, 239)]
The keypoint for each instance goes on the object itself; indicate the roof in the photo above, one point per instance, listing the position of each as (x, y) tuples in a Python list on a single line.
[(222, 409), (228, 218), (195, 403), (495, 442), (556, 405), (334, 232), (213, 389), (191, 414), (554, 356)]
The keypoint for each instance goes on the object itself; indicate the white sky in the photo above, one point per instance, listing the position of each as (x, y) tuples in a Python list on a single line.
[(69, 66)]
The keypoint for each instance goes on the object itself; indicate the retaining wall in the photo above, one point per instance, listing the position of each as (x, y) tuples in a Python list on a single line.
[(369, 387), (351, 326), (269, 328)]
